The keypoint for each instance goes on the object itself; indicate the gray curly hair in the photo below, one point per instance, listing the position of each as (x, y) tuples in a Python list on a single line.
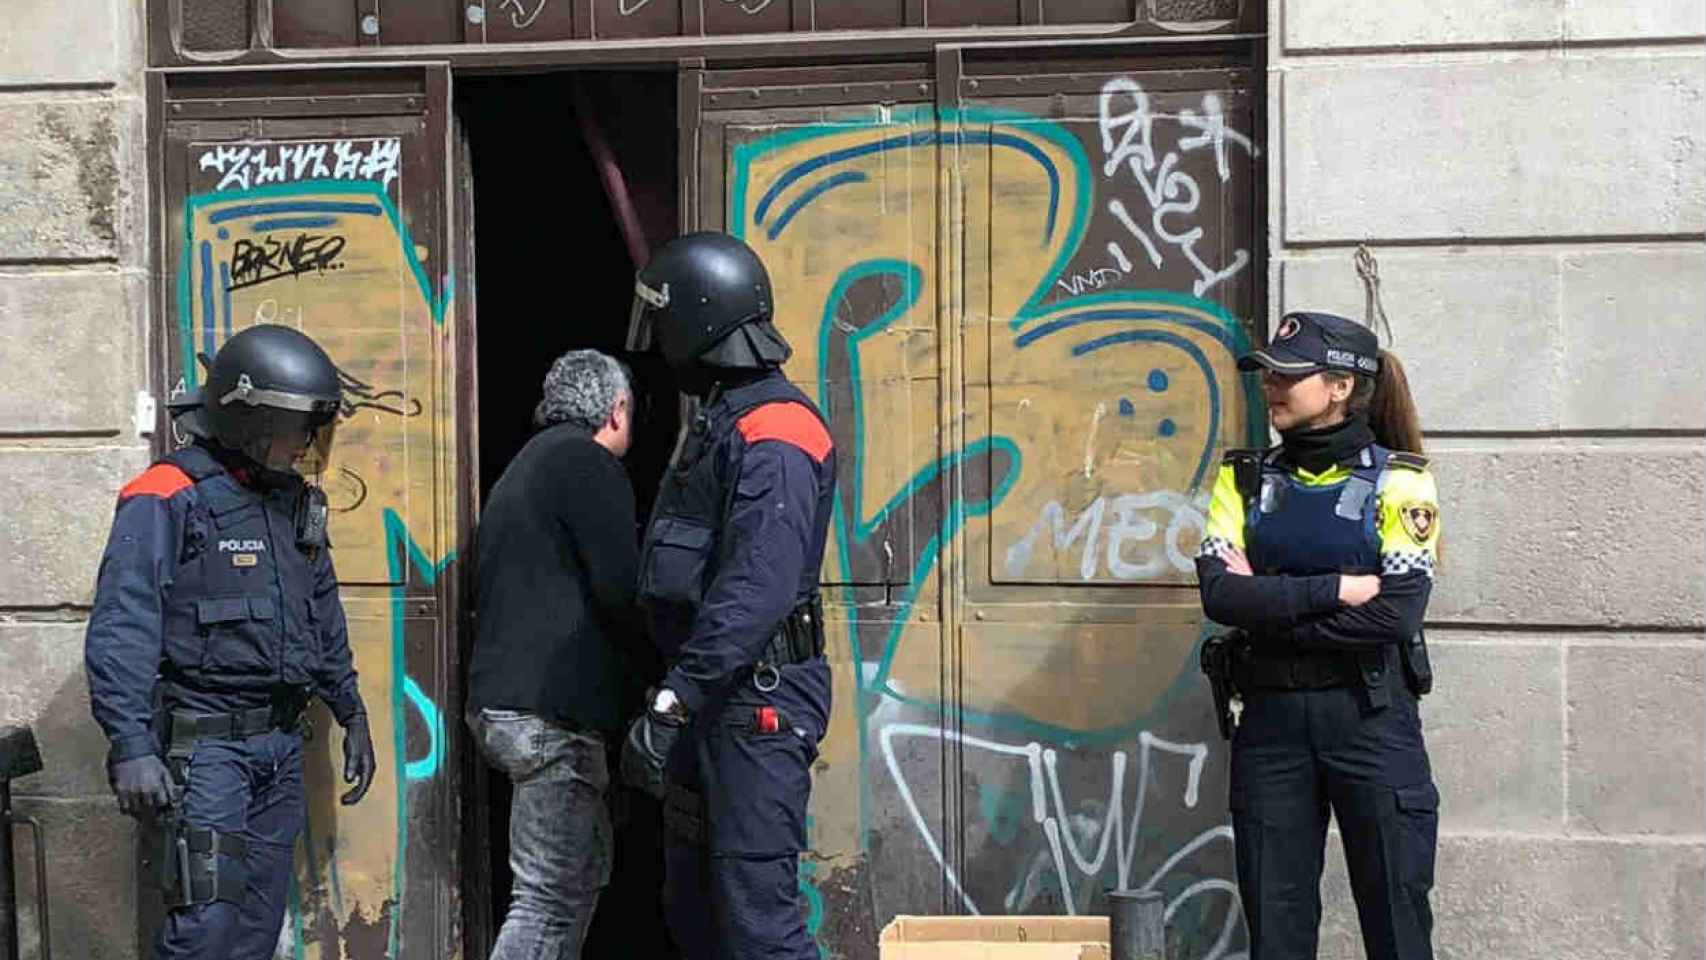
[(582, 388)]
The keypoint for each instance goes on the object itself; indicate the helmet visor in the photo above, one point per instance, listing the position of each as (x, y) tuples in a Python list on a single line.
[(292, 440), (316, 455), (647, 300)]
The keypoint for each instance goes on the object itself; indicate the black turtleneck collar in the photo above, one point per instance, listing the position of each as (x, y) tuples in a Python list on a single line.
[(1325, 447)]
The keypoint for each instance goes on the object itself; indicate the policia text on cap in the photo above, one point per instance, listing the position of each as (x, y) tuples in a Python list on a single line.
[(1322, 553)]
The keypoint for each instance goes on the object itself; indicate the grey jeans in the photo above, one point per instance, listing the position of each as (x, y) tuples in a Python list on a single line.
[(559, 831)]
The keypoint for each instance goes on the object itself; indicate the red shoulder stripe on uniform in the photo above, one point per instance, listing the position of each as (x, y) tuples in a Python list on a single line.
[(790, 423), (161, 480)]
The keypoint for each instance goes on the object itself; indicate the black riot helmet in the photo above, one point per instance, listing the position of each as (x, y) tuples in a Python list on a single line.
[(273, 382), (704, 300)]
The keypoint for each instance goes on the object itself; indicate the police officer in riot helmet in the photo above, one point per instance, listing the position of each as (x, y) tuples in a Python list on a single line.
[(729, 578), (275, 397), (706, 300), (216, 619)]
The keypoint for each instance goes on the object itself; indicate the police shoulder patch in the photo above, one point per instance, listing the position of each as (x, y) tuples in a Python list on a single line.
[(790, 423), (1407, 460), (1420, 519), (161, 480)]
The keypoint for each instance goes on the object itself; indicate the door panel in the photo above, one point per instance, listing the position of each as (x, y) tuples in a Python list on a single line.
[(1018, 289), (318, 199), (1112, 278)]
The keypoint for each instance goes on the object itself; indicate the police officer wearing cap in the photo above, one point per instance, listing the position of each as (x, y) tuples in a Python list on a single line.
[(729, 580), (216, 618), (1321, 552)]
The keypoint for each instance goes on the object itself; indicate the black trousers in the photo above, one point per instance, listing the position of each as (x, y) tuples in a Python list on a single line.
[(735, 894), (250, 788), (1300, 753)]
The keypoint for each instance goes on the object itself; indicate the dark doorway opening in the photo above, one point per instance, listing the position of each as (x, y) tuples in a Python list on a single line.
[(554, 270)]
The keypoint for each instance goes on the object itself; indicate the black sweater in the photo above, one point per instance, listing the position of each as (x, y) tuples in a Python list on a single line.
[(557, 632)]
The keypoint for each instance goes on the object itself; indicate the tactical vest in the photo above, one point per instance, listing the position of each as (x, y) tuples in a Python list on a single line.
[(239, 611), (684, 543), (1302, 530), (1298, 529)]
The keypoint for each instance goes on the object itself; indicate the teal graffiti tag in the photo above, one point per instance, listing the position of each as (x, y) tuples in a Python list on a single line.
[(400, 550), (814, 896), (1062, 331), (919, 128)]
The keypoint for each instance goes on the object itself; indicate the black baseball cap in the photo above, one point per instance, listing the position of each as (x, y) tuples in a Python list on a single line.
[(1307, 342)]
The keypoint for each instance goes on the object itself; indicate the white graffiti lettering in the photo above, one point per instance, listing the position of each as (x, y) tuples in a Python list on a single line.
[(1119, 256), (1213, 132), (1094, 280), (1070, 831), (521, 18), (382, 161), (1128, 144), (268, 311), (1131, 551), (307, 160), (244, 165)]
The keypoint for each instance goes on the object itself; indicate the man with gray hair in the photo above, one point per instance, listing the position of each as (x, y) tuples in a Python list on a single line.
[(557, 564)]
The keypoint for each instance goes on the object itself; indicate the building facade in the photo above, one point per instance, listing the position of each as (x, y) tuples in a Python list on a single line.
[(1016, 247)]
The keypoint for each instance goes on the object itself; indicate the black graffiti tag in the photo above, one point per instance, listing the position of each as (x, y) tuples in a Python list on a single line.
[(256, 263), (362, 396), (348, 492)]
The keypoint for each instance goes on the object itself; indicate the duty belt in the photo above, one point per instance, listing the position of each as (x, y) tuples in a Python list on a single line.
[(798, 639), (190, 869), (186, 729), (1254, 671)]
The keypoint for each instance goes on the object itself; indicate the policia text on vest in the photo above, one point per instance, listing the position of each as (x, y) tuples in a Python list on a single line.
[(216, 620)]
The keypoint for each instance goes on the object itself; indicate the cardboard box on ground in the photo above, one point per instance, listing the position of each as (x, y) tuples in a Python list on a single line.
[(995, 938)]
